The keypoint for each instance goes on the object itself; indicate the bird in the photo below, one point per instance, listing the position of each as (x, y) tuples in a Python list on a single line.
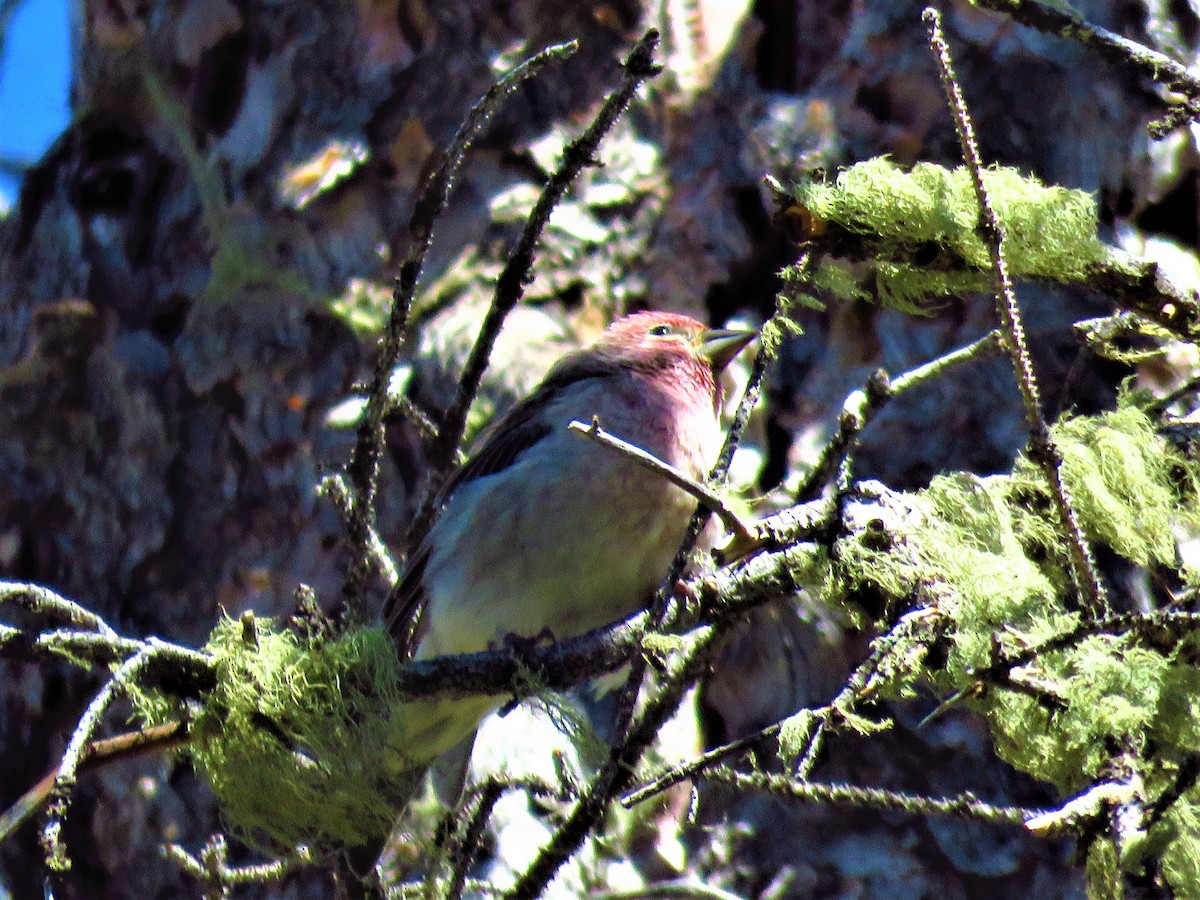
[(542, 532)]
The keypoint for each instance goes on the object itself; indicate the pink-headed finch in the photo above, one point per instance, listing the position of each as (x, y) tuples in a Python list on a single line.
[(543, 531)]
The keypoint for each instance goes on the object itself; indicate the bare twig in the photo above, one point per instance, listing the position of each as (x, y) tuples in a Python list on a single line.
[(616, 774), (1191, 386), (363, 468), (669, 890), (861, 406), (835, 463), (1042, 447), (793, 525), (724, 595), (472, 814), (706, 496), (1086, 806)]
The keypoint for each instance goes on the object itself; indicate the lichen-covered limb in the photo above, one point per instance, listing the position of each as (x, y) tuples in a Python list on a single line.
[(964, 806), (911, 236), (212, 869), (55, 609), (64, 781)]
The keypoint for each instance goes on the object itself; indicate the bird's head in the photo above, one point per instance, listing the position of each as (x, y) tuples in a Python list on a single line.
[(652, 341)]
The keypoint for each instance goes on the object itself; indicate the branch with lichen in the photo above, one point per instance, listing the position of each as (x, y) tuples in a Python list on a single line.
[(975, 568), (907, 238), (260, 698), (898, 546), (964, 806), (211, 867)]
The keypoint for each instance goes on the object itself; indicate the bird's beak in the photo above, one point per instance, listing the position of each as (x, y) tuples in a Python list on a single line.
[(720, 345)]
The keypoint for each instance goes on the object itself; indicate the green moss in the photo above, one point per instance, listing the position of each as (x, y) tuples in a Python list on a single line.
[(1103, 874), (988, 554), (1180, 835), (931, 212), (1130, 488), (294, 738), (1110, 689)]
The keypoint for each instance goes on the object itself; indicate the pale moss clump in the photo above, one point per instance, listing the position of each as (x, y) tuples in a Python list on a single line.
[(293, 738), (930, 212), (988, 555)]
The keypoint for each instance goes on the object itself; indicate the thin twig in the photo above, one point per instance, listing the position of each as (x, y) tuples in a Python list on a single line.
[(725, 595), (793, 525), (477, 806), (363, 468), (1042, 447), (961, 806), (1086, 806), (671, 890), (213, 871), (617, 773), (335, 488), (706, 496), (1191, 386), (819, 718), (463, 851), (694, 768)]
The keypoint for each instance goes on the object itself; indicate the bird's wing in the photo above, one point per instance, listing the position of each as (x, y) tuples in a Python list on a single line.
[(503, 444)]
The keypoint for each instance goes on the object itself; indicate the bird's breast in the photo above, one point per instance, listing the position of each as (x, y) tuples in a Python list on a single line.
[(572, 535)]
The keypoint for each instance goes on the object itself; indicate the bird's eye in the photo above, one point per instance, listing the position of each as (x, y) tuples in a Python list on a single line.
[(660, 330)]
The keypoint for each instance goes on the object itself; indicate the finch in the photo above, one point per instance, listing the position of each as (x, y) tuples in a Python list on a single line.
[(543, 531)]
